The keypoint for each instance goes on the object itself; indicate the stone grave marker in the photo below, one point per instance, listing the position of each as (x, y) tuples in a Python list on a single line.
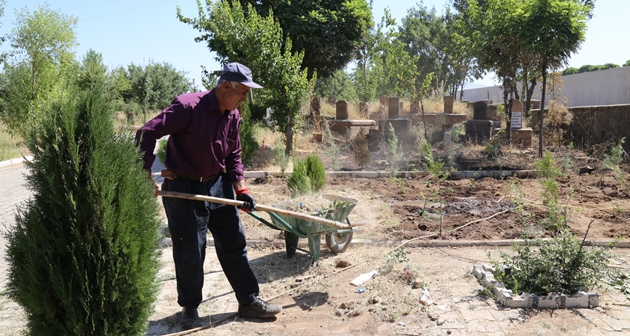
[(342, 110), (393, 110)]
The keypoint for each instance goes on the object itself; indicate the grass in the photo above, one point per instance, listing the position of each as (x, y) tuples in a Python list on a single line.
[(11, 147)]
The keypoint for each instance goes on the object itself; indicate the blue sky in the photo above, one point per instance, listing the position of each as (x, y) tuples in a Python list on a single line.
[(138, 31)]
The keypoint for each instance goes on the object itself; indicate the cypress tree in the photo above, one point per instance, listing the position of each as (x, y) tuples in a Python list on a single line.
[(83, 254)]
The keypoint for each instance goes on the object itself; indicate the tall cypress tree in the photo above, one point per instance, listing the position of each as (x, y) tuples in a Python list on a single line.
[(84, 251)]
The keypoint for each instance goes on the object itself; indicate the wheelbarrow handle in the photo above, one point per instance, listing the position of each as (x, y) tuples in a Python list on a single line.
[(335, 224)]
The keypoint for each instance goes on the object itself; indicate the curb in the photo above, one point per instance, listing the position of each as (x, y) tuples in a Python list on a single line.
[(464, 174), (167, 242), (16, 161)]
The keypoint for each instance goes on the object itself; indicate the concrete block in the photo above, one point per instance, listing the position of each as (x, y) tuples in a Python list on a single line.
[(527, 300), (546, 302), (579, 301), (477, 271)]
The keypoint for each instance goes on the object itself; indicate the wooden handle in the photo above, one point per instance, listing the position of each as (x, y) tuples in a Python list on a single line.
[(311, 218)]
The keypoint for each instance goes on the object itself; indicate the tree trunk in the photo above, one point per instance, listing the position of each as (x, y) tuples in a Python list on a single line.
[(542, 109), (289, 135)]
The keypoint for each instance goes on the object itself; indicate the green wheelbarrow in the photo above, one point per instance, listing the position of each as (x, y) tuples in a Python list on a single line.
[(296, 225), (338, 238)]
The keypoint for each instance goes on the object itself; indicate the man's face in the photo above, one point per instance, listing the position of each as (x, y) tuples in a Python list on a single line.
[(233, 96)]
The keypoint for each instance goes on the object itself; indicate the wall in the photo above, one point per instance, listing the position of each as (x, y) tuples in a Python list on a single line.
[(596, 124), (603, 87)]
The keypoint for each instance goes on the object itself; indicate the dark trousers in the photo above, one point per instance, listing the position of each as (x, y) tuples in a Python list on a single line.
[(189, 221)]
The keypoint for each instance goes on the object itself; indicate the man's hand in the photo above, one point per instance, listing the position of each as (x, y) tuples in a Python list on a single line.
[(249, 202), (156, 187)]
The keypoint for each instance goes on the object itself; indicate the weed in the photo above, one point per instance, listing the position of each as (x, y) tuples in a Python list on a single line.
[(360, 149), (395, 151), (280, 157), (547, 169), (566, 162), (400, 182), (613, 162), (394, 257), (332, 150)]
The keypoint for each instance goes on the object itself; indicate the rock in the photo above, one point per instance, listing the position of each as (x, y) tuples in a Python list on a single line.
[(342, 263), (587, 169), (441, 321)]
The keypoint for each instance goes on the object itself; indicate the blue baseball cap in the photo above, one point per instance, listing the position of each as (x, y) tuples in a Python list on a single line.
[(236, 72)]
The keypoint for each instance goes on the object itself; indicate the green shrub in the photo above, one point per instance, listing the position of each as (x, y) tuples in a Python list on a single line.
[(299, 183), (84, 252), (249, 144), (161, 152), (560, 265), (308, 176), (557, 214), (315, 172)]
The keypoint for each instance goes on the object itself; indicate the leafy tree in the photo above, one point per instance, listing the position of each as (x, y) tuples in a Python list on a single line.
[(383, 64), (42, 43), (258, 42), (83, 254), (627, 63), (328, 32), (153, 87), (424, 34), (339, 86), (552, 30)]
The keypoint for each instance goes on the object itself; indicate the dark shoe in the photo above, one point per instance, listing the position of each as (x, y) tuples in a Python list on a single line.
[(258, 308), (190, 318)]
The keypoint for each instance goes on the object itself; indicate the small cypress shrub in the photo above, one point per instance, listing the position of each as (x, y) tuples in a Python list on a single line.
[(299, 183), (83, 254), (161, 152), (315, 171)]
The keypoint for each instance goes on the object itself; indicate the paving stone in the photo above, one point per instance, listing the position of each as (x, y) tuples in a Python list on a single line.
[(476, 326), (477, 314)]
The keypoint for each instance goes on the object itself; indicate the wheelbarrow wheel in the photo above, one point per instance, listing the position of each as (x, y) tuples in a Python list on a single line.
[(338, 242)]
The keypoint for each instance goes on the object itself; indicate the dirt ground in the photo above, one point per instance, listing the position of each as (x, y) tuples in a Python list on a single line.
[(318, 299)]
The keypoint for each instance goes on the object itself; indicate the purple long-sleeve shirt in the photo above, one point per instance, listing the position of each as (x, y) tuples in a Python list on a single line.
[(202, 141)]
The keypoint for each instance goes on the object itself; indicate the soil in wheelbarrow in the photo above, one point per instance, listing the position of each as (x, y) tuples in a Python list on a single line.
[(408, 208)]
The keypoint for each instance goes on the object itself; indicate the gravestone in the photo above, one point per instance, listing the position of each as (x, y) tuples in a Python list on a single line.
[(342, 110), (393, 110), (383, 100), (517, 115), (448, 104), (480, 110), (415, 106)]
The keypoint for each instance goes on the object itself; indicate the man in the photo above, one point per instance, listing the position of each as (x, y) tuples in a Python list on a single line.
[(203, 157)]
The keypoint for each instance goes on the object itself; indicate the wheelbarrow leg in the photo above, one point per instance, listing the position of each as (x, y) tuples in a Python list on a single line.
[(291, 242), (313, 246)]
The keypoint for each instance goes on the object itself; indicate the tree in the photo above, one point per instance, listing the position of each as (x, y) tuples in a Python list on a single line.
[(258, 42), (42, 44), (552, 30), (627, 63), (328, 32), (383, 65), (153, 87), (339, 86), (83, 254)]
